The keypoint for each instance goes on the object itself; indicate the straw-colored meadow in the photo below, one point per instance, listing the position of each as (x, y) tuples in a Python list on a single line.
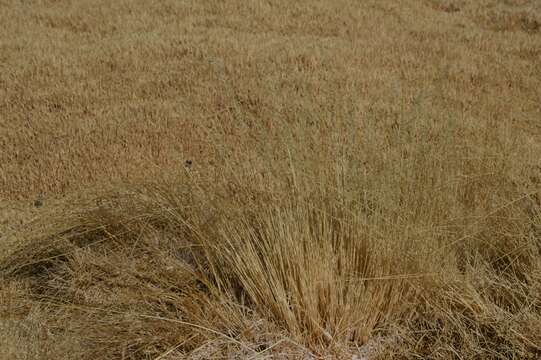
[(270, 179)]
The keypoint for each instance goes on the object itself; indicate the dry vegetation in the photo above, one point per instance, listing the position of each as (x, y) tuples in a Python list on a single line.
[(270, 179)]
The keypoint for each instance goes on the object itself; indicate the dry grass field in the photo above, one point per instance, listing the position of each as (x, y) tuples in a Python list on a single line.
[(264, 179)]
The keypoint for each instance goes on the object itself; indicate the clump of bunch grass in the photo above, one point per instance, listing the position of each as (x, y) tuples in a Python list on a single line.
[(432, 246)]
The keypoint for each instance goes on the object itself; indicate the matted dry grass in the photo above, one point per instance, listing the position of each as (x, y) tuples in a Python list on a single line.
[(270, 179)]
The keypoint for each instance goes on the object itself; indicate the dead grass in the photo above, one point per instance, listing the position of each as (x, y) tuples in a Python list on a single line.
[(270, 179)]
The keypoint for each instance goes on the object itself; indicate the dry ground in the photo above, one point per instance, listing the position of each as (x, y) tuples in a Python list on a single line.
[(270, 179)]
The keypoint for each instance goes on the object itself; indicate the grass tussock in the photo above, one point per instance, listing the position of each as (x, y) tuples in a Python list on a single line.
[(311, 180), (442, 265)]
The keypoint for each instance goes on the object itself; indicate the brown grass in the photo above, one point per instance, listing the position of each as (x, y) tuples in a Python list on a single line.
[(270, 179)]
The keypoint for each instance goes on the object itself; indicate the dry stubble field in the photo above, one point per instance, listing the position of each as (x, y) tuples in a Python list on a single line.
[(270, 179)]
